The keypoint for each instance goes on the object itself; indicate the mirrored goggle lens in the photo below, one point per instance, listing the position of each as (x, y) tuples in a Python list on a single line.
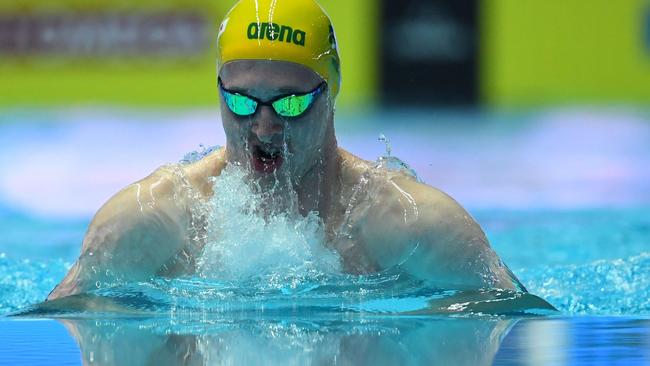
[(239, 104), (293, 105)]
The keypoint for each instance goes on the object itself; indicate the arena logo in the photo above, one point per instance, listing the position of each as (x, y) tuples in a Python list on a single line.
[(273, 32)]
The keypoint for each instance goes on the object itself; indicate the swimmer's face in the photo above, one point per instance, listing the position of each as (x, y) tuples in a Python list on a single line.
[(271, 144)]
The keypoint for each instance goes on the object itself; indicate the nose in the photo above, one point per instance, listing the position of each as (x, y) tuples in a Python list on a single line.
[(267, 124)]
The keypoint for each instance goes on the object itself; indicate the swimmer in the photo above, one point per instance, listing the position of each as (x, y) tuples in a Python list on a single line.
[(278, 79)]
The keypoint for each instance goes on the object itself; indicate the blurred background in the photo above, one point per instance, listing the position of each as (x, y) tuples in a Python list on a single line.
[(495, 53), (500, 103), (534, 115)]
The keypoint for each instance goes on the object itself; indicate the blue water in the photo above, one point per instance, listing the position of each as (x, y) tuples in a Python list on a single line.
[(334, 340), (584, 262), (574, 227)]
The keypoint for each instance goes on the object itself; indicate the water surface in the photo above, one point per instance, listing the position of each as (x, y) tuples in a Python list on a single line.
[(562, 196)]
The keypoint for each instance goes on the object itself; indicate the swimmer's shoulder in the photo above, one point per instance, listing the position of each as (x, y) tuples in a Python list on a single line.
[(142, 227), (426, 212), (353, 168), (165, 189), (452, 246), (397, 189), (198, 173), (137, 231), (405, 210), (423, 230)]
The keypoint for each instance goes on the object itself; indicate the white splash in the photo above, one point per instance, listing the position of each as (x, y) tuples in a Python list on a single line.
[(244, 243)]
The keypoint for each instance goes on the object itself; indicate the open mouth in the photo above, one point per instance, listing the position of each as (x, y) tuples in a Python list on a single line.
[(266, 160)]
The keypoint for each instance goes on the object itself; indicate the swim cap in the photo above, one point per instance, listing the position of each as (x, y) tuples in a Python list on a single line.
[(282, 30)]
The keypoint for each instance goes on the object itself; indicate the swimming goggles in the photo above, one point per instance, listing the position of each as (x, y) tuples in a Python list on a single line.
[(290, 105)]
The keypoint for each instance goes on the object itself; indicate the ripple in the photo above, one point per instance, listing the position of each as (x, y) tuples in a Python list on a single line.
[(603, 287)]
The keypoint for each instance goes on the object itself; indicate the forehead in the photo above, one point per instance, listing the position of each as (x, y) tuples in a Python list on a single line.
[(268, 75)]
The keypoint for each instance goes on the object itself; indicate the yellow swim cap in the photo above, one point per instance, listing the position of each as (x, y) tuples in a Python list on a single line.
[(283, 30)]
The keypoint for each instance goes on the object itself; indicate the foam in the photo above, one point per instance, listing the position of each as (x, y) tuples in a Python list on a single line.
[(244, 241)]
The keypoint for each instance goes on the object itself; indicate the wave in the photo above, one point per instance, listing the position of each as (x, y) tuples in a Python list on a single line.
[(391, 293), (602, 287)]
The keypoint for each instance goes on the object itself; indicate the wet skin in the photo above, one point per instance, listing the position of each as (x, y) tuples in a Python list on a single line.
[(375, 219)]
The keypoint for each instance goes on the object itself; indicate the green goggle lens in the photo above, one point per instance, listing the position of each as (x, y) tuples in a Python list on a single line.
[(286, 106), (293, 105), (240, 104)]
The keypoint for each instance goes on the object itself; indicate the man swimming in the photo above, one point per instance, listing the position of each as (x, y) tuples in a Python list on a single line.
[(278, 78)]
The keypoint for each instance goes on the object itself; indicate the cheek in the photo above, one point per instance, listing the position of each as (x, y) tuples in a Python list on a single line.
[(308, 135), (234, 129), (307, 141), (230, 129)]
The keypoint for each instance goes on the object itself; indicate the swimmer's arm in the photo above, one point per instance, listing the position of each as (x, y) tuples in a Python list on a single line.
[(132, 236), (452, 250)]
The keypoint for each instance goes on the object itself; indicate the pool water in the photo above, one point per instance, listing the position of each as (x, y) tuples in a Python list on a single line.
[(588, 254), (334, 340), (597, 263)]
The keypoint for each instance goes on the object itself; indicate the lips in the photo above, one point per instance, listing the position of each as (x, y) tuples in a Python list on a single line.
[(266, 160)]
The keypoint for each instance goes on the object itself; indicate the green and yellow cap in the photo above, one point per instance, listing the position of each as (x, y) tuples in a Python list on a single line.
[(283, 30)]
